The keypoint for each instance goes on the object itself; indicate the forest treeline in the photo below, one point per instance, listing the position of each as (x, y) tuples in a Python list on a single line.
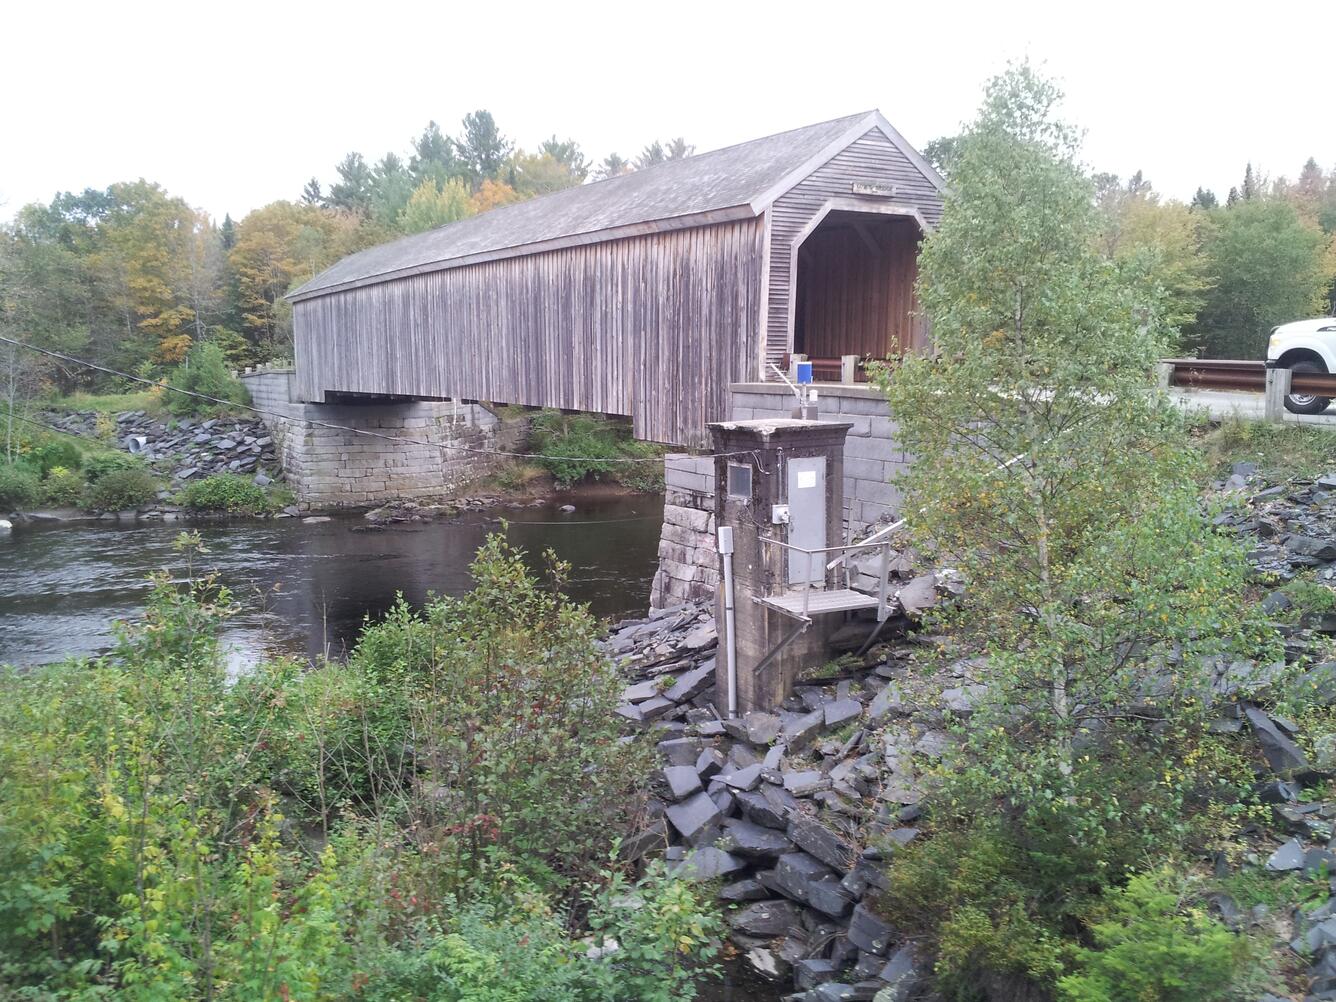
[(1232, 268), (133, 276)]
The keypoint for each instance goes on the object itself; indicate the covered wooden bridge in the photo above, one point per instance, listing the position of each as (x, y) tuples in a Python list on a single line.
[(643, 295)]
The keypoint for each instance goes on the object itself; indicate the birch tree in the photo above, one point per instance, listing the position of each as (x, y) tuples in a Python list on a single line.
[(1049, 468)]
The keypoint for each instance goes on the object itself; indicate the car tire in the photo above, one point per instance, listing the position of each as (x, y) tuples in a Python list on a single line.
[(1306, 403)]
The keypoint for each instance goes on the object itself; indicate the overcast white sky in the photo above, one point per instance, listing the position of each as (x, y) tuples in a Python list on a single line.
[(234, 105)]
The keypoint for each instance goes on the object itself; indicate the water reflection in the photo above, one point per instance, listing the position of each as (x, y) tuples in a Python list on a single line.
[(305, 589)]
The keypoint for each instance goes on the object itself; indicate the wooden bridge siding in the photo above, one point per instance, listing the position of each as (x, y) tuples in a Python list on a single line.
[(654, 327), (872, 157)]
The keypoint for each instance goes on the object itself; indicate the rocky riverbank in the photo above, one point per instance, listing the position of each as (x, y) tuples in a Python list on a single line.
[(800, 812), (183, 449)]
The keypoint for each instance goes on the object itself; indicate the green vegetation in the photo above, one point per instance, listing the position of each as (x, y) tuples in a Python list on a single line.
[(122, 489), (1279, 450), (1147, 946), (149, 400), (19, 487), (97, 467), (228, 492), (598, 447), (63, 487), (205, 372), (1066, 490), (435, 819)]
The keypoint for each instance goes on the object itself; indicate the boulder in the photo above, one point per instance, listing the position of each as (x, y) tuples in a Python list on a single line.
[(1282, 754), (869, 931), (683, 780), (821, 842), (746, 838), (692, 814), (766, 919)]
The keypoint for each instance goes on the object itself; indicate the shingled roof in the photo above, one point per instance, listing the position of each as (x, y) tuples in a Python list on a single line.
[(730, 183)]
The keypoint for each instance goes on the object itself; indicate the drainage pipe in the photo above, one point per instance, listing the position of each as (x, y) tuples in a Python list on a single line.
[(730, 647)]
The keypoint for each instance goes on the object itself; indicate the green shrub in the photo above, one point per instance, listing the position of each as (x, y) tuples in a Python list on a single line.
[(226, 492), (121, 489), (1151, 947), (204, 371), (18, 487), (59, 452), (98, 466), (140, 817), (63, 486), (597, 448)]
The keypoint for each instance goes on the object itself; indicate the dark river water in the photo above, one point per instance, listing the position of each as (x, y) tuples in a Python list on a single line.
[(304, 589)]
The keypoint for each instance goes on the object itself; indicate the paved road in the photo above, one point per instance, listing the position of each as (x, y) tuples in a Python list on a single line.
[(1248, 406)]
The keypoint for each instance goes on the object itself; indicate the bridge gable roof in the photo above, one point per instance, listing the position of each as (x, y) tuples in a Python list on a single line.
[(731, 183)]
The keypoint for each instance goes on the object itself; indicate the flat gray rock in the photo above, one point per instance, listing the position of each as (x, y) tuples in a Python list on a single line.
[(683, 780), (692, 814)]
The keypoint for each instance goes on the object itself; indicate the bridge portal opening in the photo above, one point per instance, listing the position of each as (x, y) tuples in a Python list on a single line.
[(855, 290)]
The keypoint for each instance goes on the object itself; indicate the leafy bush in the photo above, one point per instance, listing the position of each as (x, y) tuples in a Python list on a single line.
[(98, 466), (121, 489), (144, 854), (18, 487), (206, 372), (226, 492), (1002, 887), (63, 486), (1149, 946), (59, 452), (597, 448)]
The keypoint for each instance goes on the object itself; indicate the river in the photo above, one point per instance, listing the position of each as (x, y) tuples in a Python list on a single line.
[(304, 588)]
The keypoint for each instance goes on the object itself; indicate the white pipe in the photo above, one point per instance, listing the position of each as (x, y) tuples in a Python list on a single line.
[(730, 647)]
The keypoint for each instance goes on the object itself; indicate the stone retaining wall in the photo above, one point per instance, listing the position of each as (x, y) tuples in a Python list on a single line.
[(342, 468), (688, 564)]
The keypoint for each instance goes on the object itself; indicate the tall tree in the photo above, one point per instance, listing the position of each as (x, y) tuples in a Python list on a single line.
[(1052, 473), (433, 157), (1269, 266), (1204, 199), (613, 165), (567, 153), (278, 247), (651, 155), (481, 147), (355, 187), (433, 205)]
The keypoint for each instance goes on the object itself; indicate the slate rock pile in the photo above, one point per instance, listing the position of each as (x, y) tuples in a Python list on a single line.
[(798, 811), (1291, 527), (188, 449)]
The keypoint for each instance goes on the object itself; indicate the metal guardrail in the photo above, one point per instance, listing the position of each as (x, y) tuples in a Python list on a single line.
[(1242, 375)]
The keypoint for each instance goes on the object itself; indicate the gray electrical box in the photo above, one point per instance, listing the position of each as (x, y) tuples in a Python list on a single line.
[(806, 485)]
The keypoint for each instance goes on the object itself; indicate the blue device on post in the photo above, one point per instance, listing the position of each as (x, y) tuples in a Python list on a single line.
[(804, 373)]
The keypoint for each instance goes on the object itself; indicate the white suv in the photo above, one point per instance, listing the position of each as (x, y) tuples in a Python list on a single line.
[(1304, 346)]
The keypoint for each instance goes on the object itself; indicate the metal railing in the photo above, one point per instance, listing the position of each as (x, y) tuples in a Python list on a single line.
[(1241, 375), (883, 576)]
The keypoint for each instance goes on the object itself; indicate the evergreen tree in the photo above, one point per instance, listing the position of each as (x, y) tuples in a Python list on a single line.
[(354, 188), (1204, 199), (433, 157), (613, 165), (481, 147), (566, 152), (312, 193)]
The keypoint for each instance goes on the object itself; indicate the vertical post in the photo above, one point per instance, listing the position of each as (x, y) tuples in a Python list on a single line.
[(1277, 389), (884, 584), (848, 368), (1164, 374)]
